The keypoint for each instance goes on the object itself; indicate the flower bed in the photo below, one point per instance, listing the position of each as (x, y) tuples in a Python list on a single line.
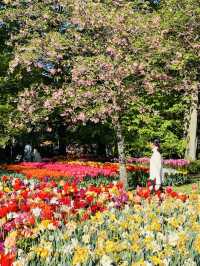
[(136, 235), (66, 223), (79, 171), (62, 223), (76, 169), (27, 204), (175, 163)]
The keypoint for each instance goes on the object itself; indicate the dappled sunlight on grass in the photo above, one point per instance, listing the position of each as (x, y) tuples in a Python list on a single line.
[(188, 188)]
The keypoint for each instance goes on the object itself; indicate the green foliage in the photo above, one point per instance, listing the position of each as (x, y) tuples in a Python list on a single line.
[(137, 178), (159, 116), (65, 62), (9, 173), (5, 109), (97, 181), (176, 179), (194, 167), (140, 178)]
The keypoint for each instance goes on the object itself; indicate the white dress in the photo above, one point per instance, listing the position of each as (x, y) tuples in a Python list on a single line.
[(156, 167)]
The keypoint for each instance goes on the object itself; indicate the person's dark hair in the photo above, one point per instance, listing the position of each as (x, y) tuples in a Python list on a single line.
[(156, 143)]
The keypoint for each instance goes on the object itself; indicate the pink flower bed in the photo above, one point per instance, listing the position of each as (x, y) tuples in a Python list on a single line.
[(168, 162)]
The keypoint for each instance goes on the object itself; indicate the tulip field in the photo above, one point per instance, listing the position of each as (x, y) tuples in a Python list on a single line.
[(99, 133), (75, 169), (78, 213)]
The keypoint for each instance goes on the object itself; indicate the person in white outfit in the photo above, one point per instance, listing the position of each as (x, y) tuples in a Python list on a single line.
[(156, 166)]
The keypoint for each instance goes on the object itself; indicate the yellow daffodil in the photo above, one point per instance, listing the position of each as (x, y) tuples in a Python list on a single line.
[(135, 247), (80, 256), (139, 263), (157, 261), (197, 244), (110, 246), (154, 226), (6, 189)]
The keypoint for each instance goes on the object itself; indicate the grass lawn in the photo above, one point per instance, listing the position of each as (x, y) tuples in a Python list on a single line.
[(187, 188)]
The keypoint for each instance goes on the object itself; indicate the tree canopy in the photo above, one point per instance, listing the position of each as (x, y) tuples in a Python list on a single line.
[(78, 61)]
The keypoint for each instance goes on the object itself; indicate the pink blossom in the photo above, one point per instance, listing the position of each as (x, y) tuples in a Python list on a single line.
[(81, 117)]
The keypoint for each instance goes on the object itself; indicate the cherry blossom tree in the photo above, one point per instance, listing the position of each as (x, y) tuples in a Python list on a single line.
[(92, 59)]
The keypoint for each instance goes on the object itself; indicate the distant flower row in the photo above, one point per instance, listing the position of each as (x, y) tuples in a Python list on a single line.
[(167, 162), (76, 169)]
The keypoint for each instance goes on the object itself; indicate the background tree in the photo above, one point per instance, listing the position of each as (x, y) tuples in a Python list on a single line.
[(93, 60), (159, 116), (99, 62), (181, 21)]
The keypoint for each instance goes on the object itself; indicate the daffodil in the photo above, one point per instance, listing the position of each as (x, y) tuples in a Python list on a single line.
[(197, 244), (156, 261), (80, 256), (140, 262), (135, 247)]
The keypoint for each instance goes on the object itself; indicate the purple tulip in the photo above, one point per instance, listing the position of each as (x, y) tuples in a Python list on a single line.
[(1, 247), (8, 226)]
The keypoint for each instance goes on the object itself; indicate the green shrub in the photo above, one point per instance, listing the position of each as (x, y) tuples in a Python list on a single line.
[(137, 178), (97, 181), (176, 179), (194, 167), (140, 178)]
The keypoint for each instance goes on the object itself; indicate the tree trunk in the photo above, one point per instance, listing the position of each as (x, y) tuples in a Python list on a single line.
[(121, 154), (191, 148)]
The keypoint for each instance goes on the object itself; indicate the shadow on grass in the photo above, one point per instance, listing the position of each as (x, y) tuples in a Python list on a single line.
[(189, 187)]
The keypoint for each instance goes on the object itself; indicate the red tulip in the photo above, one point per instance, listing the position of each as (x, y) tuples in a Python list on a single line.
[(94, 208), (143, 192), (149, 183), (65, 201), (3, 212), (89, 199), (66, 187), (24, 194), (17, 185), (12, 207), (25, 207), (56, 223), (146, 193), (31, 220), (119, 185), (85, 216), (47, 214), (44, 195), (169, 190), (7, 259), (158, 193), (174, 194), (4, 178), (78, 204)]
